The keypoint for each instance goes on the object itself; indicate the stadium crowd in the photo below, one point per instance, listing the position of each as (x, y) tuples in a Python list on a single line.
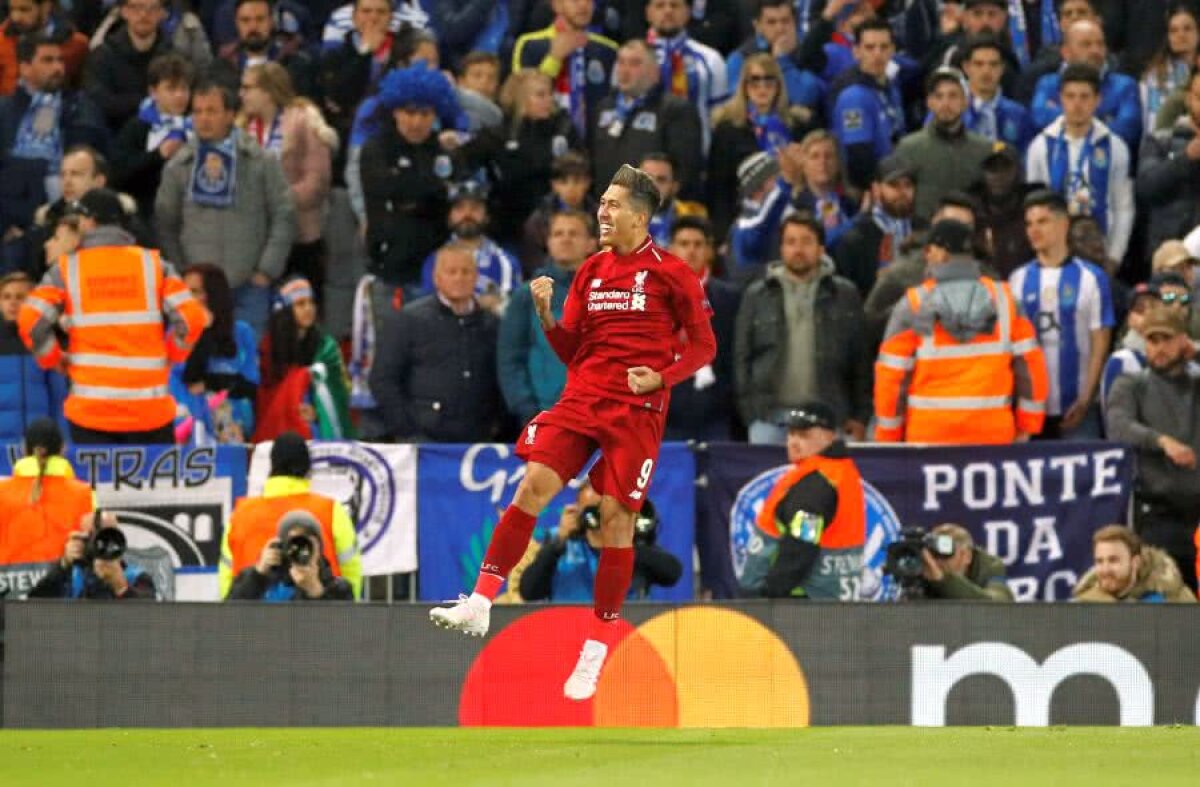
[(949, 221)]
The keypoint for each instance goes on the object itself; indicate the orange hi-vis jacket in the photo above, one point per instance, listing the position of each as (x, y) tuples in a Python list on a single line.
[(36, 531), (255, 521), (933, 388), (128, 317), (848, 526)]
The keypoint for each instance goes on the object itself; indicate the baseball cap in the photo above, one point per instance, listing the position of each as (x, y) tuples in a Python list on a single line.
[(1163, 321), (1001, 155), (1167, 279), (951, 235), (945, 74), (101, 205), (894, 167), (755, 171), (811, 415), (1170, 254), (299, 519)]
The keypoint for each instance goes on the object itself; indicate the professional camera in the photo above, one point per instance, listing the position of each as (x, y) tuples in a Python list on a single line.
[(106, 543), (905, 561), (297, 551), (645, 525)]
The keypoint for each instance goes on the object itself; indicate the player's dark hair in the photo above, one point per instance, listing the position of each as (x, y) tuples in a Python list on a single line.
[(696, 223), (805, 219), (1045, 198), (1080, 72), (643, 192), (873, 24)]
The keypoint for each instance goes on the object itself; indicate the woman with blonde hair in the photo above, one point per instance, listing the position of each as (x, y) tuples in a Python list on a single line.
[(292, 129), (519, 153), (757, 118), (820, 190)]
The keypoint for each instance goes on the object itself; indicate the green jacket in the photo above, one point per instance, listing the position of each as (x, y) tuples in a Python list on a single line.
[(943, 164), (984, 581)]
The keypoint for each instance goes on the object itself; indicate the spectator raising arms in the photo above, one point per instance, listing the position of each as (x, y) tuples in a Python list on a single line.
[(304, 386)]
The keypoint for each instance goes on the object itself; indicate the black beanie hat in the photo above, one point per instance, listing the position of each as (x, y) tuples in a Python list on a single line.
[(289, 456)]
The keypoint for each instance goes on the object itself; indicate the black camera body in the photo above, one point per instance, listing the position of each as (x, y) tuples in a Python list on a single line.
[(905, 561), (297, 550), (105, 543), (645, 524)]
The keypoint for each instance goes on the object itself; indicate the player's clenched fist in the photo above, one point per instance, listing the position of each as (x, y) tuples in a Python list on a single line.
[(543, 290)]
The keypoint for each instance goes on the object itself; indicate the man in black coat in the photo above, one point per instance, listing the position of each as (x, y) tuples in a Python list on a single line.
[(116, 72), (257, 43), (639, 117), (435, 375), (702, 407), (1168, 180)]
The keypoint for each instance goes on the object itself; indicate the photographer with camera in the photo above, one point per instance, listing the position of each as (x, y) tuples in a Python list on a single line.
[(91, 566), (945, 564), (291, 567), (255, 520), (808, 539), (565, 567)]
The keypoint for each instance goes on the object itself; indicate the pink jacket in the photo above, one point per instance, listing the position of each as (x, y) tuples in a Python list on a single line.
[(308, 147)]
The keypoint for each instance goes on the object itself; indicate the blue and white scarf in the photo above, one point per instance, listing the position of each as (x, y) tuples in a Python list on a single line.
[(769, 130), (577, 91), (40, 134), (1083, 182), (162, 127), (1018, 29), (1156, 90), (895, 230), (214, 173)]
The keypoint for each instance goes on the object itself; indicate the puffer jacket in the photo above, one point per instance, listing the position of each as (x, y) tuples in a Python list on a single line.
[(1158, 580), (843, 360), (309, 144), (26, 392)]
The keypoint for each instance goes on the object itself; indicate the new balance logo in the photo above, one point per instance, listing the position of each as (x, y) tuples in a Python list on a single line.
[(596, 283), (635, 495), (530, 433)]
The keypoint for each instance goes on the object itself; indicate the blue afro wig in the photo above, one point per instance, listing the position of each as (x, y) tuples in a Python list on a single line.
[(418, 86)]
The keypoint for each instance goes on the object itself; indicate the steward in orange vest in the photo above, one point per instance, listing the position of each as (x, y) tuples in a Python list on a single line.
[(42, 504), (113, 298), (809, 536), (256, 520), (959, 363)]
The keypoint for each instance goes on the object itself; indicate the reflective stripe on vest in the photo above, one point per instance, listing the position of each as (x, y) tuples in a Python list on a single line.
[(959, 402), (118, 361), (123, 394)]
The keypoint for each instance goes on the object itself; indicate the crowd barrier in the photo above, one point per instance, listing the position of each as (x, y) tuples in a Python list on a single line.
[(433, 507), (754, 664)]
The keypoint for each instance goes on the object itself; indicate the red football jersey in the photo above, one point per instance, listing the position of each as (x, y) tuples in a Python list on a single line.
[(628, 311)]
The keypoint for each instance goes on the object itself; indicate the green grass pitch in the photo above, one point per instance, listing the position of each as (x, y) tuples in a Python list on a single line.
[(826, 757)]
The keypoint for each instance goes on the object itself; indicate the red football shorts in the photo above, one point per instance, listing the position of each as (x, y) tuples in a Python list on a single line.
[(564, 438)]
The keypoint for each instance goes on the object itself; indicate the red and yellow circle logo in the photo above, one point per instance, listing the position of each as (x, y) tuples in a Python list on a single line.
[(689, 667)]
